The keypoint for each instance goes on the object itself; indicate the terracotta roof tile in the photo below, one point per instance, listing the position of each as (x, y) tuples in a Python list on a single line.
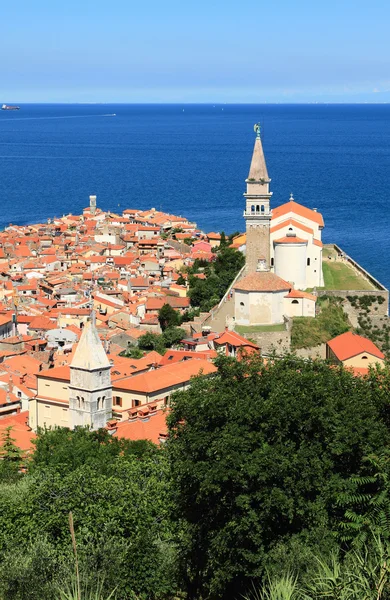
[(350, 344), (262, 282)]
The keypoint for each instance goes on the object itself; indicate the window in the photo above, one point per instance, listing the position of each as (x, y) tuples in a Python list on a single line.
[(136, 403), (103, 400), (364, 357), (290, 228), (262, 208), (117, 401), (19, 394), (242, 304), (78, 401), (253, 208), (272, 262), (295, 302), (82, 403), (98, 403), (308, 262), (257, 208)]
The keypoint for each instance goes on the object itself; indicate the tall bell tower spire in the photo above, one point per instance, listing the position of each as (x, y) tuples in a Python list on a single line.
[(257, 212), (90, 389)]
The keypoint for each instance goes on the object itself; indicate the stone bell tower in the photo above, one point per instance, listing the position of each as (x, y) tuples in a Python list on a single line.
[(90, 389), (257, 212), (92, 205)]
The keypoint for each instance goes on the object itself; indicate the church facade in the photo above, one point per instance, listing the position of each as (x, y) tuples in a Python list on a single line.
[(283, 253)]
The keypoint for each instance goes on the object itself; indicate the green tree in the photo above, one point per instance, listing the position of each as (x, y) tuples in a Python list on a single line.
[(223, 241), (64, 450), (132, 352), (152, 341), (10, 457), (121, 522), (168, 317), (173, 335), (367, 502), (259, 454)]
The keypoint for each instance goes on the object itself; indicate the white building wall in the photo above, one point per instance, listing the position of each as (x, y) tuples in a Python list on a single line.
[(314, 276), (290, 263), (259, 308)]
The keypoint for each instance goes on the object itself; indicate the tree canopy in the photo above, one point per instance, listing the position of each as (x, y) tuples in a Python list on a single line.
[(260, 455)]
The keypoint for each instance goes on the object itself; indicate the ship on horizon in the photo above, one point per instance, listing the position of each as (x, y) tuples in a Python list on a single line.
[(6, 107)]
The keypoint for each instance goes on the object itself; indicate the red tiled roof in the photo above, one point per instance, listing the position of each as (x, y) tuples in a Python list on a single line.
[(350, 344), (299, 210), (290, 240), (144, 429), (21, 432), (290, 222), (299, 294), (262, 282), (234, 339), (165, 377)]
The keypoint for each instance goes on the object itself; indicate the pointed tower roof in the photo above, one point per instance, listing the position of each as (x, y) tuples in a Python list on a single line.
[(90, 354), (258, 168)]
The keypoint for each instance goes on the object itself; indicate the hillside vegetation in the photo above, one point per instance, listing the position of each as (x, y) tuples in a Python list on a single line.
[(267, 467), (311, 331)]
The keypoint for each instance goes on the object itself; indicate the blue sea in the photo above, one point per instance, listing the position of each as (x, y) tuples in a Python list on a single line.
[(192, 160)]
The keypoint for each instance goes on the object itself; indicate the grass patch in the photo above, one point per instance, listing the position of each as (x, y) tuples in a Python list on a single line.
[(309, 331), (340, 276), (259, 328)]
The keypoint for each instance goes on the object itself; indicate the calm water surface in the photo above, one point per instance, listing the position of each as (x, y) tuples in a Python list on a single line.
[(193, 160)]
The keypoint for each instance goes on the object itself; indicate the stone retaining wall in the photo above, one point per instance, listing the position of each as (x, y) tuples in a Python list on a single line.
[(272, 341)]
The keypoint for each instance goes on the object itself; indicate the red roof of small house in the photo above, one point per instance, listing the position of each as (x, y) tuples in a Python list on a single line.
[(350, 344), (299, 294), (20, 432), (234, 339), (152, 427)]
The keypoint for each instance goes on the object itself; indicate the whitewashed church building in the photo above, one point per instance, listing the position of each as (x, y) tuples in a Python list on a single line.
[(283, 253)]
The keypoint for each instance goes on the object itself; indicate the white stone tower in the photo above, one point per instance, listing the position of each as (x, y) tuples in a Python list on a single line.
[(257, 212), (92, 205), (90, 389)]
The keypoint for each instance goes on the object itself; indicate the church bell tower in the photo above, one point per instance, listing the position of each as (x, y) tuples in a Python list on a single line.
[(257, 212), (90, 389), (92, 205)]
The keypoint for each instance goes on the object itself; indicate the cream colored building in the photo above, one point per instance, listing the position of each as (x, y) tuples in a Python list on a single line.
[(79, 394), (354, 351)]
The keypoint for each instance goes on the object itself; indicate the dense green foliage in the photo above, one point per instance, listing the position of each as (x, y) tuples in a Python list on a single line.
[(159, 343), (260, 456), (312, 331), (118, 494), (206, 293), (267, 467), (168, 317), (10, 458)]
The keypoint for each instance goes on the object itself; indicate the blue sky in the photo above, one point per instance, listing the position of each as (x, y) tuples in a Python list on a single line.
[(194, 51)]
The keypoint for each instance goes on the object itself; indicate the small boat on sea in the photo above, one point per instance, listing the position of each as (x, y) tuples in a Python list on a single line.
[(6, 107)]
